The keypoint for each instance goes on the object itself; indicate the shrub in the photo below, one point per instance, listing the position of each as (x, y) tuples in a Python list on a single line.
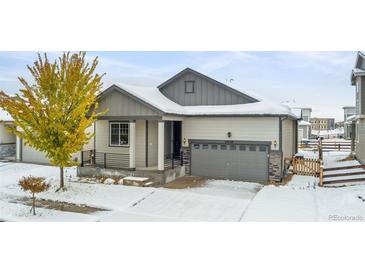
[(33, 185)]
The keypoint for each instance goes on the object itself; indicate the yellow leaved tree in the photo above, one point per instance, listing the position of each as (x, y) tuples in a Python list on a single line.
[(52, 113)]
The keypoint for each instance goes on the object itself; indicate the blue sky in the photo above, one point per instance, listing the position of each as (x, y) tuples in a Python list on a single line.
[(320, 80)]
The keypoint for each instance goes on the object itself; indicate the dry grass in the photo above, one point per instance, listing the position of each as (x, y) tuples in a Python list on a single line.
[(186, 182), (348, 158)]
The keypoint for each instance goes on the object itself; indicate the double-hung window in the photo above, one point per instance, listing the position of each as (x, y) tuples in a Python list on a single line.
[(119, 133)]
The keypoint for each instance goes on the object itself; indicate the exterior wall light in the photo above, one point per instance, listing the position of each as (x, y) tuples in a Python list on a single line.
[(229, 134), (275, 143)]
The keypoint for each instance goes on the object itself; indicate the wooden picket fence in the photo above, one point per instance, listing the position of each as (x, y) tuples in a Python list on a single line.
[(307, 166)]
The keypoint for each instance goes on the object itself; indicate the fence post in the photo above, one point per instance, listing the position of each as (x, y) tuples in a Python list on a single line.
[(172, 160), (104, 159), (321, 173), (82, 158)]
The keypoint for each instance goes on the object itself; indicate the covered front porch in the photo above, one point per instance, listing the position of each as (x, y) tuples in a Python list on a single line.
[(148, 144)]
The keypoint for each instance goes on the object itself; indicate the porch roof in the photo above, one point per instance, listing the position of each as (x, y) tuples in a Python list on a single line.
[(156, 99)]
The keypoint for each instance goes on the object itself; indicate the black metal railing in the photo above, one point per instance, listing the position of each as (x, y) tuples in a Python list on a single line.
[(173, 160), (105, 159), (121, 161)]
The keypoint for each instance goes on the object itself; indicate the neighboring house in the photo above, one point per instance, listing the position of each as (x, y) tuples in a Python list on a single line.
[(215, 130), (349, 113), (358, 121), (323, 123), (304, 125), (7, 139)]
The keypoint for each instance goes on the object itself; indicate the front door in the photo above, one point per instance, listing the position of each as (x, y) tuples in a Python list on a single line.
[(176, 138)]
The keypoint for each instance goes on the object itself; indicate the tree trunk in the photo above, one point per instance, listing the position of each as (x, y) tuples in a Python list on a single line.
[(33, 205), (62, 184)]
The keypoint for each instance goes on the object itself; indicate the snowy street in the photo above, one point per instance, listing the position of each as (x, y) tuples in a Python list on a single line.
[(218, 200)]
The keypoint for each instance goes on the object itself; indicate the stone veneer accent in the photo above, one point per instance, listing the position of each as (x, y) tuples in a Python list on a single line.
[(275, 162), (186, 159), (7, 150)]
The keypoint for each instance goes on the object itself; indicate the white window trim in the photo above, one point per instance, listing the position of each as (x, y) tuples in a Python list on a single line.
[(110, 134)]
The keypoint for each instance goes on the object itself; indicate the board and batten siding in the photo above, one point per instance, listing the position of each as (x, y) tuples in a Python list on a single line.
[(119, 104), (206, 92), (241, 128), (288, 138)]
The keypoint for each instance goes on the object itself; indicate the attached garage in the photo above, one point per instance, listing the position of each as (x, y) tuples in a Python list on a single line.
[(231, 160), (32, 155)]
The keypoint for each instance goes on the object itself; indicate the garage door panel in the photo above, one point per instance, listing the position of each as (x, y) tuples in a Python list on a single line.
[(231, 161)]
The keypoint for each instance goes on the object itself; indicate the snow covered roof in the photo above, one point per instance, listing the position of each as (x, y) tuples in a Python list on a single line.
[(5, 116), (155, 98), (350, 119), (304, 123)]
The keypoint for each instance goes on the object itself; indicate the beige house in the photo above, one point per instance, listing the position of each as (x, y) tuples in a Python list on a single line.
[(190, 124), (7, 139), (194, 123)]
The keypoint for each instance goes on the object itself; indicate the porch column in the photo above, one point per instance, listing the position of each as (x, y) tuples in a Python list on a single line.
[(18, 149), (132, 144), (161, 145)]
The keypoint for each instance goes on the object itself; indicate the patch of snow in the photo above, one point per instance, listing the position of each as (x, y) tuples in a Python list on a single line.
[(138, 179), (109, 181), (155, 98)]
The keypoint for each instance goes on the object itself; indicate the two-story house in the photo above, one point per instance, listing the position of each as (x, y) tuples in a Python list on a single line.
[(358, 122), (348, 114)]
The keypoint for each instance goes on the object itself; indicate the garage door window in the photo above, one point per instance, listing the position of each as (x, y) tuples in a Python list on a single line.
[(196, 146), (223, 147), (262, 148), (232, 147), (252, 148), (205, 146), (214, 147), (242, 147)]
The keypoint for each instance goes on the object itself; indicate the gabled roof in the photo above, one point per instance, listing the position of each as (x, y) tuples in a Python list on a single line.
[(189, 70), (358, 70), (153, 98)]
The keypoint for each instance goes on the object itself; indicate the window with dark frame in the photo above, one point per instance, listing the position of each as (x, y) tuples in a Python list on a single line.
[(119, 133), (252, 148), (189, 86)]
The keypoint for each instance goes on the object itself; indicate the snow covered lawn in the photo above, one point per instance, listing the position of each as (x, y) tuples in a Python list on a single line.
[(303, 200), (218, 200)]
